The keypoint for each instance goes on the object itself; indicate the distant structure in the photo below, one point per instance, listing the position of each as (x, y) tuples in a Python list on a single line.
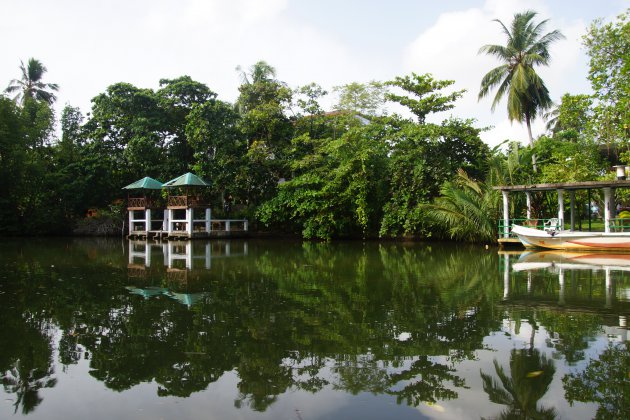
[(186, 214)]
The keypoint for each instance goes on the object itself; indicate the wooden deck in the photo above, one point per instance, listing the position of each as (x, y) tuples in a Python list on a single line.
[(183, 235)]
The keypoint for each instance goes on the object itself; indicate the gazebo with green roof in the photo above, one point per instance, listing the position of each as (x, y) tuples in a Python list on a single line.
[(185, 205), (142, 202)]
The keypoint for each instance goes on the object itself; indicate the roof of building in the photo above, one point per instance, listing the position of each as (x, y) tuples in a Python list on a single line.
[(186, 180), (586, 185), (145, 183)]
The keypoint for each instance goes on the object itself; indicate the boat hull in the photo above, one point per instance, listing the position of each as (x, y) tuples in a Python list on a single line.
[(534, 238)]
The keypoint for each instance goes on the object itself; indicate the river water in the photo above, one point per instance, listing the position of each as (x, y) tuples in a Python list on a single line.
[(104, 328)]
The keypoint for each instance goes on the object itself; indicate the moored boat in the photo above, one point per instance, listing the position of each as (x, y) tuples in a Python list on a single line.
[(573, 240)]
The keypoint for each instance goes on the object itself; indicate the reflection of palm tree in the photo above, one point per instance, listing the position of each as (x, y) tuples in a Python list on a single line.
[(530, 376), (25, 383)]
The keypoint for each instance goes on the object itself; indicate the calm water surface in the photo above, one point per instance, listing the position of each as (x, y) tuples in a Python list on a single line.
[(105, 329)]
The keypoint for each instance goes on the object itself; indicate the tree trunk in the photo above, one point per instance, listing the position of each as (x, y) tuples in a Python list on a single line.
[(531, 139)]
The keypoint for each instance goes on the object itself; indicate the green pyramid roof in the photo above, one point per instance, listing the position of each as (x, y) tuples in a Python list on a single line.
[(145, 183), (186, 180)]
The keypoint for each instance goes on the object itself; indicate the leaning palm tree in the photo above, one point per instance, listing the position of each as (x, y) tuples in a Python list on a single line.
[(31, 85), (527, 95)]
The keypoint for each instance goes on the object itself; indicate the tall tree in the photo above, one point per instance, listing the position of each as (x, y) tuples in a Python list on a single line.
[(12, 162), (365, 99), (425, 155), (526, 47), (176, 98), (31, 85), (262, 103), (608, 46)]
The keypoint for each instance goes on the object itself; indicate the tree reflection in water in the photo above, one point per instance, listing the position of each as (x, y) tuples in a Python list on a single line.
[(605, 380), (530, 375), (386, 319), (29, 366)]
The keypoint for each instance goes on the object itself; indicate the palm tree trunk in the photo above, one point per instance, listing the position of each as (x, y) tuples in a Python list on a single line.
[(531, 139)]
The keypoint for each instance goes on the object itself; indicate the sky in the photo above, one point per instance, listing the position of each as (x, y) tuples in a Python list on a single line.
[(88, 45)]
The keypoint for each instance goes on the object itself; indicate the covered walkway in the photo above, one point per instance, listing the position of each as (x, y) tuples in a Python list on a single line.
[(607, 187)]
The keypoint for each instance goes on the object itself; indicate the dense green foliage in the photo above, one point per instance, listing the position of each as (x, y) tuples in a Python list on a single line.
[(276, 157), (608, 46)]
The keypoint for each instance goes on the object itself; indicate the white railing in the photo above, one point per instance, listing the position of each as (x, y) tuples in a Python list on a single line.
[(225, 225)]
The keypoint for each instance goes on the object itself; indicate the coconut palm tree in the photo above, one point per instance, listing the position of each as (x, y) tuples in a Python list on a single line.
[(259, 72), (31, 85), (527, 95)]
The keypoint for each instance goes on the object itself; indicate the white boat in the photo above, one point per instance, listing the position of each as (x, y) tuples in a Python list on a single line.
[(573, 240)]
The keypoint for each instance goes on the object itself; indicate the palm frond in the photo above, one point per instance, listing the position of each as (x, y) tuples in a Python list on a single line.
[(465, 209), (504, 87), (492, 78)]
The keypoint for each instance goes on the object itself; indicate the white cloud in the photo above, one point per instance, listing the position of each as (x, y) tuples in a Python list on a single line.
[(89, 47), (448, 49)]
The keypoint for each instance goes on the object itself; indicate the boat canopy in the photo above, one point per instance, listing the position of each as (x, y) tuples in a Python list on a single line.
[(607, 187)]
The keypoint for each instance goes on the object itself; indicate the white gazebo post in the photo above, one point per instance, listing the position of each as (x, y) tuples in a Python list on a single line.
[(165, 223), (169, 221), (147, 220), (607, 204), (208, 223), (528, 199), (572, 209), (189, 220), (560, 209), (131, 221), (506, 214)]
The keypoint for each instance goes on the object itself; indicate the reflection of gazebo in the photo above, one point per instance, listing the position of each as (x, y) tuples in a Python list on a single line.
[(181, 208), (140, 205)]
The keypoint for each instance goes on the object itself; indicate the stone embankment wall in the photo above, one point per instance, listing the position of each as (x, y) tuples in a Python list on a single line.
[(99, 226)]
